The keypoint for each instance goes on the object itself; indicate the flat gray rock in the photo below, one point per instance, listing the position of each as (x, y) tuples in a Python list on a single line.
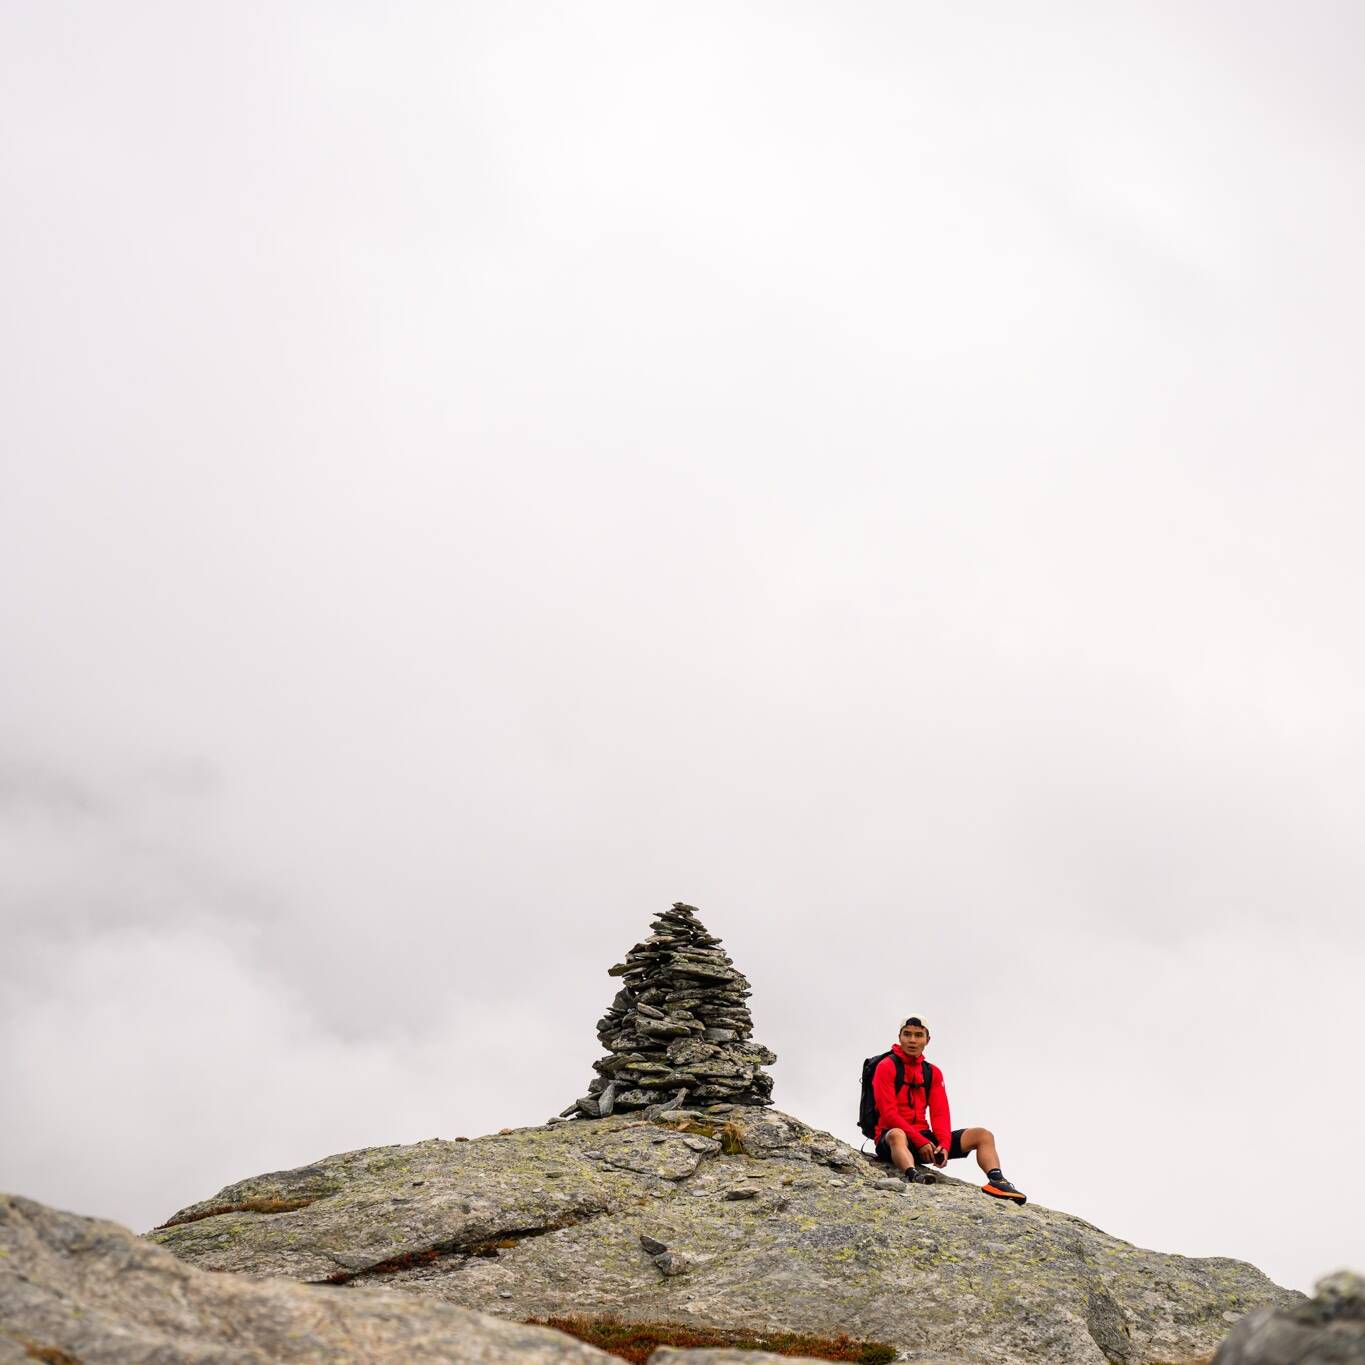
[(79, 1291), (941, 1271)]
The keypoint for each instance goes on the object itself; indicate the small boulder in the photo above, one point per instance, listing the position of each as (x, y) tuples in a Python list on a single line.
[(1328, 1329)]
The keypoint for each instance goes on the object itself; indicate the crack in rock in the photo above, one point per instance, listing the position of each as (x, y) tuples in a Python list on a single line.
[(258, 1205), (463, 1248)]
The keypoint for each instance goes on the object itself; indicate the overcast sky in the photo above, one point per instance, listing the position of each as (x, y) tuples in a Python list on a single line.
[(888, 475)]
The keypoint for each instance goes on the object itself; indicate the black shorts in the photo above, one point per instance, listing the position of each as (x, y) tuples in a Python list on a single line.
[(955, 1151)]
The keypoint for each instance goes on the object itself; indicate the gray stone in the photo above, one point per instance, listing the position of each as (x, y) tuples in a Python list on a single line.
[(653, 1111), (672, 1263), (1328, 1329), (689, 1050), (83, 1291)]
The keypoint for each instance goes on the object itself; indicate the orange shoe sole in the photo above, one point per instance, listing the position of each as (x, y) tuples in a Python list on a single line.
[(1004, 1194)]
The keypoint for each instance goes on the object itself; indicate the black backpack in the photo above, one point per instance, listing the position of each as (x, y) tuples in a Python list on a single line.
[(868, 1117)]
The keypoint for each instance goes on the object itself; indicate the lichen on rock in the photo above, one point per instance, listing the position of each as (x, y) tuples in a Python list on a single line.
[(81, 1291), (783, 1228)]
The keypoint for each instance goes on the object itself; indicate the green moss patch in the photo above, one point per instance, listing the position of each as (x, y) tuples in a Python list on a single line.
[(638, 1340)]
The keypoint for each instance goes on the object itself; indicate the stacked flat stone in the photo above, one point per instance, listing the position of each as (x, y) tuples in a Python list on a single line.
[(678, 1032)]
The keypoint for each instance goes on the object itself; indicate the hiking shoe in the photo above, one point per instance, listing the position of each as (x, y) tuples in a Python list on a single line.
[(1002, 1189), (917, 1175)]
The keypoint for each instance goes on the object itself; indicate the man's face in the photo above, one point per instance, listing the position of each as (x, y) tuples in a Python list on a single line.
[(913, 1040)]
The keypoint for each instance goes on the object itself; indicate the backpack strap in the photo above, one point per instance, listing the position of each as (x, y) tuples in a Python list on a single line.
[(927, 1070), (900, 1072)]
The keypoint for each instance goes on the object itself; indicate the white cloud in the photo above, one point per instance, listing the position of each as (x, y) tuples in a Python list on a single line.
[(474, 476), (150, 1068)]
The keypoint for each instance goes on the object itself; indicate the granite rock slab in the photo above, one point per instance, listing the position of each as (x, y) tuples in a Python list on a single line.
[(549, 1221), (84, 1291)]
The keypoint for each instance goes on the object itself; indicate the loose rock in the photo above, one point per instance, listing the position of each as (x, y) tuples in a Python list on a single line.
[(671, 1262), (1328, 1329)]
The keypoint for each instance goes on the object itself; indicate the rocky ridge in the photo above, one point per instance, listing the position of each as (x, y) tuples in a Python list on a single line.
[(751, 1221), (679, 1030)]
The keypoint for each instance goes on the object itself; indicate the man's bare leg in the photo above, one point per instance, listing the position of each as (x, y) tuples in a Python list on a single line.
[(900, 1149), (982, 1142)]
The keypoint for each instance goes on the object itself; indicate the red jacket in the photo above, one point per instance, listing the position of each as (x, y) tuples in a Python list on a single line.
[(906, 1110)]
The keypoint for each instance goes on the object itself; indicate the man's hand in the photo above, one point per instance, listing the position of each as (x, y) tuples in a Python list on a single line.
[(928, 1153), (940, 1155)]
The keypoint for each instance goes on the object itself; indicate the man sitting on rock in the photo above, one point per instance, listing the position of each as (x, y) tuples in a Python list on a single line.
[(909, 1138)]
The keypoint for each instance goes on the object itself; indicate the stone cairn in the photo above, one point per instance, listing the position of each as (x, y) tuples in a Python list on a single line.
[(678, 1031)]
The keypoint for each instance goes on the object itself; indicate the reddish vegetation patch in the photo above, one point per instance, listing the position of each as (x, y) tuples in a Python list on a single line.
[(406, 1261), (260, 1205), (637, 1340), (51, 1354)]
